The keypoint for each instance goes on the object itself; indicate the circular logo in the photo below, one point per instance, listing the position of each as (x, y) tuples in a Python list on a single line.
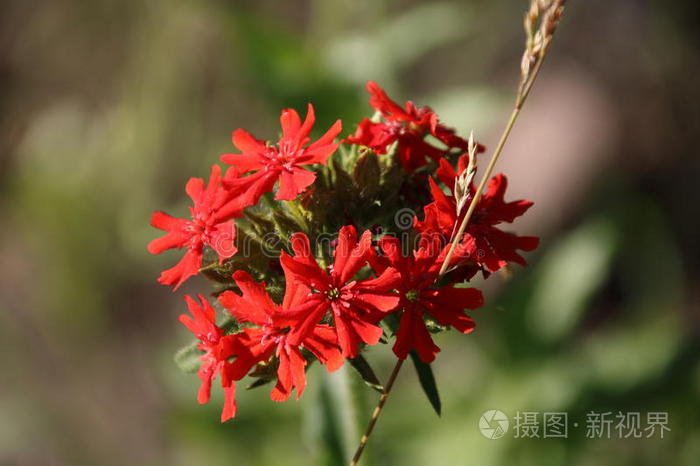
[(493, 424), (403, 218)]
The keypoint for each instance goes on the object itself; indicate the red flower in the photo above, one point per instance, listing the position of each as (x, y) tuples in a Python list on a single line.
[(483, 243), (211, 225), (420, 297), (282, 162), (406, 125), (217, 347), (255, 306), (355, 306)]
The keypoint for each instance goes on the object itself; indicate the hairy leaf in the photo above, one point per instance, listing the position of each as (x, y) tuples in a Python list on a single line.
[(187, 358)]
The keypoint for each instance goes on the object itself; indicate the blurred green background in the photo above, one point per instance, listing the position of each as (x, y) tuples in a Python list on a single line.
[(108, 106)]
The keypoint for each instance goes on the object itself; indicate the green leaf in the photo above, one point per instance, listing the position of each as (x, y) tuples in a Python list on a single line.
[(363, 368), (187, 358), (427, 382)]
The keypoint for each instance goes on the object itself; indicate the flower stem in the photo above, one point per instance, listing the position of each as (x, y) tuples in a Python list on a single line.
[(523, 93), (377, 412), (548, 26), (480, 188)]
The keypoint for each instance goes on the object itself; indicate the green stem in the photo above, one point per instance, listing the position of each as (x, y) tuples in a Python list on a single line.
[(377, 412), (523, 93)]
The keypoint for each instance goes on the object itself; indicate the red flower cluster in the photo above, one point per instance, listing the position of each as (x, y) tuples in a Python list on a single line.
[(215, 207), (407, 127), (484, 246), (363, 291), (280, 332)]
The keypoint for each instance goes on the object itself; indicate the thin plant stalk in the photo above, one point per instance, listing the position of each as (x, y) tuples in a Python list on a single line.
[(546, 14), (377, 412)]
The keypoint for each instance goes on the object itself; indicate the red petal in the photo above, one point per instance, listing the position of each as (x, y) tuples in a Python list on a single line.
[(213, 185), (376, 136), (205, 374), (243, 163), (195, 189), (321, 149), (492, 207), (377, 302), (189, 265), (204, 317), (413, 334), (246, 143), (350, 255), (253, 304), (304, 270), (284, 385), (303, 133), (323, 343), (318, 155), (249, 189), (175, 239), (297, 365), (447, 306), (351, 330), (328, 137), (230, 407), (303, 319), (223, 240), (379, 100), (291, 123), (165, 222), (387, 281), (347, 338), (295, 293), (293, 183), (446, 173)]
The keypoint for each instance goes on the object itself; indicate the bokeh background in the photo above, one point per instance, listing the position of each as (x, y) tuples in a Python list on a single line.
[(108, 106)]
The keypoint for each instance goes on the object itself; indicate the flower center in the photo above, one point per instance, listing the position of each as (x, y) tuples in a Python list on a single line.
[(333, 294), (283, 156), (412, 295)]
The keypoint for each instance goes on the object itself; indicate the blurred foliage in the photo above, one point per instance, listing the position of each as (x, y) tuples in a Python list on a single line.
[(108, 107)]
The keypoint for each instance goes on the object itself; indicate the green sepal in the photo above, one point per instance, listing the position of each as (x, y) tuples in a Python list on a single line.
[(367, 176)]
